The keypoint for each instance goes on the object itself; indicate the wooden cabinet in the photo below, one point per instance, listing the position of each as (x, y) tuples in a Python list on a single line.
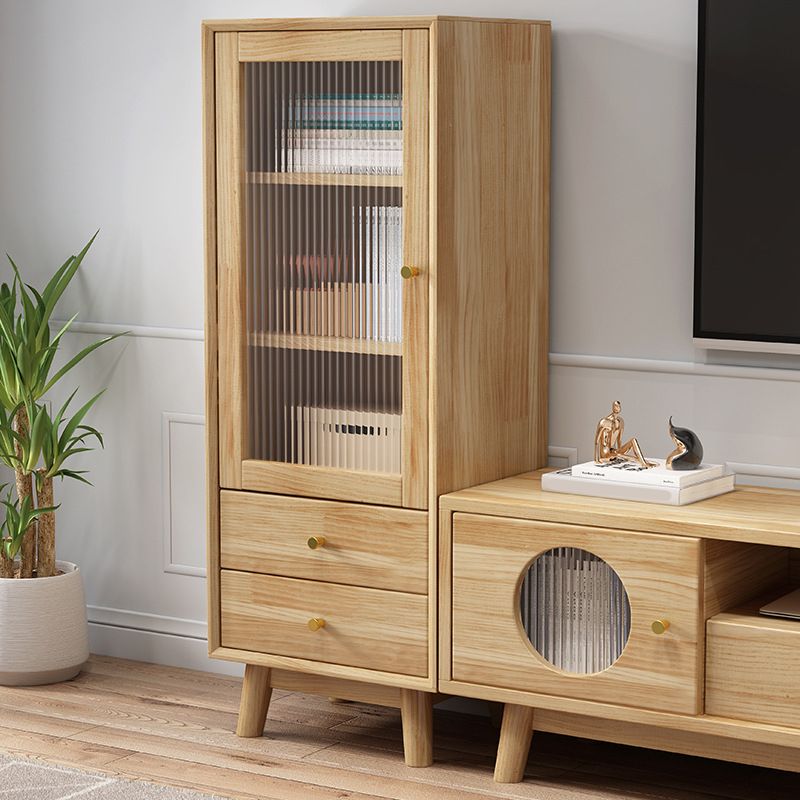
[(631, 622), (376, 234)]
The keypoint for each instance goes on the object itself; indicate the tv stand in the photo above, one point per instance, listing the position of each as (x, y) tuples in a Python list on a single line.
[(678, 659)]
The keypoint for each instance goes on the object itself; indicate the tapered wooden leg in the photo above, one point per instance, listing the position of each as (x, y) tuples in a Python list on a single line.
[(416, 709), (515, 742), (253, 707)]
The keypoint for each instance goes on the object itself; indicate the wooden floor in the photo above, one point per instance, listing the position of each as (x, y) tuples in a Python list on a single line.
[(175, 726)]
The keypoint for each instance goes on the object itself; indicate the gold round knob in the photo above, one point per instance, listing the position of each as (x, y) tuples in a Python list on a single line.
[(315, 623), (316, 541), (409, 272), (660, 626)]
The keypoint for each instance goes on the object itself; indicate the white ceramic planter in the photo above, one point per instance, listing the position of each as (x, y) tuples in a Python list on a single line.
[(44, 636)]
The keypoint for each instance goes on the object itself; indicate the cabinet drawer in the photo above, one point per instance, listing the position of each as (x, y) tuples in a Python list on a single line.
[(369, 628), (661, 580), (384, 548), (752, 668)]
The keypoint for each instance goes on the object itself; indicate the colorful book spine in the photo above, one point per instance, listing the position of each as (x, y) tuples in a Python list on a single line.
[(344, 134)]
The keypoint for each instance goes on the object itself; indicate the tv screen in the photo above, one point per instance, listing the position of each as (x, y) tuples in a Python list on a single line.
[(747, 225)]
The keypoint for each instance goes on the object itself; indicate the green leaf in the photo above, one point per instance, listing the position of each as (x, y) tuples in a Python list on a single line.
[(59, 282), (78, 358)]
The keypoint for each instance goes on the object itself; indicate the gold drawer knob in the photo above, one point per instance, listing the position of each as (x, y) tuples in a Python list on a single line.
[(409, 272), (316, 541), (315, 623), (660, 626)]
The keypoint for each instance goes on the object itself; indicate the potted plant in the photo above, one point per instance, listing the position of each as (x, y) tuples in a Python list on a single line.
[(43, 627)]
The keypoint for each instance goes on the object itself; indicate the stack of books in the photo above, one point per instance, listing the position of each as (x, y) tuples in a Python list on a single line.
[(348, 439), (343, 133), (379, 237), (626, 480), (359, 297)]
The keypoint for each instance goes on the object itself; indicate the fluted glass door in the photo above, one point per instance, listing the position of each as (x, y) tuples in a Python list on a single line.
[(327, 338), (324, 232)]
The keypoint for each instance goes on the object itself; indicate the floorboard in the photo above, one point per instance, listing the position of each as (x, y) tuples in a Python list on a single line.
[(175, 726)]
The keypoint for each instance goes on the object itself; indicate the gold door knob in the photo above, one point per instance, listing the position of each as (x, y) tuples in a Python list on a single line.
[(316, 541), (660, 626), (409, 272), (315, 623)]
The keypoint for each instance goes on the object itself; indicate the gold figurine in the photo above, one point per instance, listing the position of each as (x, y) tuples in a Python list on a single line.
[(608, 438)]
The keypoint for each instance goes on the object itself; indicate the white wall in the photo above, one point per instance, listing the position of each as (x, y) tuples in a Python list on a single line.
[(100, 127)]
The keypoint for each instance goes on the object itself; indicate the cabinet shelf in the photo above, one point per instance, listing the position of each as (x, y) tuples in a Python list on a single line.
[(324, 179), (341, 344)]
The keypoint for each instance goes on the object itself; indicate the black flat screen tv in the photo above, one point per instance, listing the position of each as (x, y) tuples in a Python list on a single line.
[(747, 213)]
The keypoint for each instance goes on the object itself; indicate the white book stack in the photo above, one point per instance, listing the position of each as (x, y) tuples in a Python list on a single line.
[(357, 133), (378, 233), (659, 475), (343, 152), (683, 487), (347, 439)]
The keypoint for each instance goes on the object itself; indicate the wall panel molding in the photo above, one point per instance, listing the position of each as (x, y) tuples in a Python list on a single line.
[(562, 457), (142, 331), (693, 368), (168, 420), (573, 360)]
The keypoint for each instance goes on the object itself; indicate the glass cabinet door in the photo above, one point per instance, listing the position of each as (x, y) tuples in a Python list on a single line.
[(322, 217)]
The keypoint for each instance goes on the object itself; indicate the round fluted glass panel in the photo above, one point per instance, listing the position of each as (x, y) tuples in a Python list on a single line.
[(575, 610)]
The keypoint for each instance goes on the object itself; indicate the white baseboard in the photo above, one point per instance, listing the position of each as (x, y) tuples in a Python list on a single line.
[(147, 623), (157, 648)]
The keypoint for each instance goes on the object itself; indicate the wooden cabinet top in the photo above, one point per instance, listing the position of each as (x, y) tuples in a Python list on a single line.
[(347, 23), (748, 514)]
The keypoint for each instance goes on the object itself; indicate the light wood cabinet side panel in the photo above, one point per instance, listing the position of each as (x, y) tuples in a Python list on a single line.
[(230, 266), (414, 437), (445, 560), (210, 344), (492, 84)]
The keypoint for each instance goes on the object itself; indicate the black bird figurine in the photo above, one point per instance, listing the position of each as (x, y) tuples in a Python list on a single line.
[(688, 452)]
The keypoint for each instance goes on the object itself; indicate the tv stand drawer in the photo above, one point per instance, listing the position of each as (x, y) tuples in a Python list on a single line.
[(661, 576)]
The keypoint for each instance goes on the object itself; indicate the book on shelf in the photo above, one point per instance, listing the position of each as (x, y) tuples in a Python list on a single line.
[(660, 475), (336, 309), (565, 482), (348, 439), (378, 238), (312, 269), (371, 111), (341, 134), (787, 606), (326, 297)]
